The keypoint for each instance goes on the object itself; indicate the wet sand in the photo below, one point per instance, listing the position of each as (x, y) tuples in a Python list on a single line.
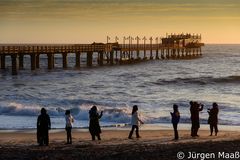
[(153, 144)]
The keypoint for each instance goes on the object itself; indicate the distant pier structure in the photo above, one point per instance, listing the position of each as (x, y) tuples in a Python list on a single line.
[(131, 50)]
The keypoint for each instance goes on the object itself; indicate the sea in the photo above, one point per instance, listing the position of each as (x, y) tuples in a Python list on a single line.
[(153, 85)]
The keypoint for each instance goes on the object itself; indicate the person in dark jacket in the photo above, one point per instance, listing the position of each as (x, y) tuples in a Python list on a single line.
[(213, 118), (195, 109), (175, 120), (43, 125), (94, 126)]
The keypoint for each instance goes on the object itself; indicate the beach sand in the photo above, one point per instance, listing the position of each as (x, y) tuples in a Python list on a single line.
[(153, 144)]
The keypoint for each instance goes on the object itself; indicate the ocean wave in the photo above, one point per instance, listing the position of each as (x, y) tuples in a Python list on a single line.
[(118, 115), (17, 109), (199, 80)]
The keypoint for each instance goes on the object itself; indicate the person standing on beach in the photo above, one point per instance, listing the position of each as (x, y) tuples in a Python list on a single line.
[(213, 118), (191, 111), (94, 126), (175, 120), (43, 125), (195, 109), (69, 123), (135, 122)]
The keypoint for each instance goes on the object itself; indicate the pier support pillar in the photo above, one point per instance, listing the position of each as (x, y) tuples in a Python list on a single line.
[(3, 57), (89, 58), (111, 58), (50, 61), (121, 57), (138, 54), (33, 61), (173, 53), (77, 65), (129, 56), (182, 53), (107, 55), (21, 60), (14, 64), (53, 60), (151, 56), (37, 61), (178, 53), (116, 57), (197, 50), (157, 57), (189, 52), (144, 54), (100, 58), (64, 60), (162, 54), (168, 52)]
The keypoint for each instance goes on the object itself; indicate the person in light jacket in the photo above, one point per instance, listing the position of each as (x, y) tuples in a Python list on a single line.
[(69, 123), (135, 122)]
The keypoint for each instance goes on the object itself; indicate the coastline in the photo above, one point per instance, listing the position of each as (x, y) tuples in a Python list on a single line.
[(117, 127), (154, 144)]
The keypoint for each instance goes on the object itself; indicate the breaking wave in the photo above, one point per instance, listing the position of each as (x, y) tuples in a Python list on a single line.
[(118, 115), (200, 80)]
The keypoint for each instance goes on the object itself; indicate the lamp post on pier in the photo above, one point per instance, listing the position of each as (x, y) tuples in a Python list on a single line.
[(129, 47), (131, 43), (137, 38), (108, 38), (124, 45), (116, 39), (144, 46), (156, 40), (151, 39), (124, 39), (157, 46)]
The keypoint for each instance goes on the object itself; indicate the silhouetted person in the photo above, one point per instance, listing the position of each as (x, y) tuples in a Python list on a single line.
[(43, 125), (175, 120), (69, 122), (213, 118), (191, 111), (135, 122), (94, 126), (195, 109)]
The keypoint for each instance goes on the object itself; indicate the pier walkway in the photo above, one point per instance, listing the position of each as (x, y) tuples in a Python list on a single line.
[(172, 47)]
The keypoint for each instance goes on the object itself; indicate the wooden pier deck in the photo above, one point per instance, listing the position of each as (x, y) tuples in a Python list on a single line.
[(109, 53)]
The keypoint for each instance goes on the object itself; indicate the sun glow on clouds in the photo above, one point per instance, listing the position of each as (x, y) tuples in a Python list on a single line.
[(81, 21)]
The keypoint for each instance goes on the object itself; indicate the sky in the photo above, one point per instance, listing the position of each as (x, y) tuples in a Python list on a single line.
[(87, 21)]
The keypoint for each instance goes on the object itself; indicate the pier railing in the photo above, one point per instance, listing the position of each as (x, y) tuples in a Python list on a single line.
[(10, 49)]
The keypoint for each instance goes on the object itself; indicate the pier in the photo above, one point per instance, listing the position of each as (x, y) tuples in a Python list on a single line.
[(132, 50)]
